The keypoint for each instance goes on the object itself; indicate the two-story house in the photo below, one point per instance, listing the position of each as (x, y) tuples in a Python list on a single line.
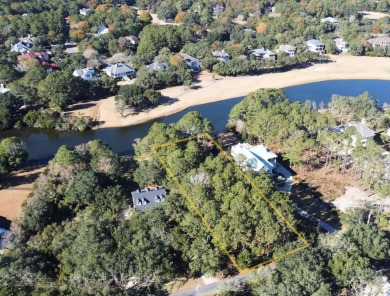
[(315, 45)]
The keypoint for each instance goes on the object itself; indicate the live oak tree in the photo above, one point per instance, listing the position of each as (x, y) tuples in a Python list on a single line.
[(12, 154)]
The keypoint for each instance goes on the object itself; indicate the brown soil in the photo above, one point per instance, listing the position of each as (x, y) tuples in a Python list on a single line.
[(14, 190)]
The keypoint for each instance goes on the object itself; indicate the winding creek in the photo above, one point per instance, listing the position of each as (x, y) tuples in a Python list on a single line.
[(42, 144)]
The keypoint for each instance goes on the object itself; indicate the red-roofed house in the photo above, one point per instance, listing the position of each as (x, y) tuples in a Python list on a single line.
[(40, 55)]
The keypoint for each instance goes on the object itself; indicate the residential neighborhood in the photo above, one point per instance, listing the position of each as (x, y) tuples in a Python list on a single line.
[(195, 147)]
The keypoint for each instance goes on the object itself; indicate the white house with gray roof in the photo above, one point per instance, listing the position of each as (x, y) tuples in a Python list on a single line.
[(86, 74), (25, 44), (315, 45), (156, 66), (289, 50), (258, 158), (363, 131), (330, 19), (192, 62), (148, 198), (221, 55), (262, 54), (341, 44), (119, 70), (85, 11), (102, 30)]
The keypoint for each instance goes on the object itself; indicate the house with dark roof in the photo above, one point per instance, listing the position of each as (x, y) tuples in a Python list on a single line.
[(148, 198)]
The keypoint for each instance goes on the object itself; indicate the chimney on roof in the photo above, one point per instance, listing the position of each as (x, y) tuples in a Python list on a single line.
[(144, 201), (364, 121)]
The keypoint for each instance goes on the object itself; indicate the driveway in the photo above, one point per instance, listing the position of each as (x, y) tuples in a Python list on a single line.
[(287, 175)]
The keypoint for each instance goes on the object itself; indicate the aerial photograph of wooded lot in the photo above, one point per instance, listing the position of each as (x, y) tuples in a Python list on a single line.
[(195, 147)]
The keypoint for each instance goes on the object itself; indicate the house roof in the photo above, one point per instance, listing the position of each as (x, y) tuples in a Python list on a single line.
[(287, 47), (148, 198), (261, 51), (32, 55), (156, 66), (82, 72), (102, 28), (85, 10), (315, 42), (118, 68), (132, 38), (258, 157), (379, 41), (340, 41), (188, 57), (329, 19), (363, 130), (220, 53), (3, 89)]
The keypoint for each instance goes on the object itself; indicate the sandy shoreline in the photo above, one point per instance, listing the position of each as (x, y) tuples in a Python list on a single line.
[(209, 90)]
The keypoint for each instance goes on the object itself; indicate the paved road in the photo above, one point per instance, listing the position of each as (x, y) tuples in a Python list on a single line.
[(211, 288)]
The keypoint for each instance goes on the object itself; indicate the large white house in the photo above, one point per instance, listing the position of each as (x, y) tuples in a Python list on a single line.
[(289, 50), (86, 74), (315, 45), (341, 44), (119, 70), (256, 158)]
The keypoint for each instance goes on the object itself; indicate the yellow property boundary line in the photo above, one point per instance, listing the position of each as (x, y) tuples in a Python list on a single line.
[(248, 180)]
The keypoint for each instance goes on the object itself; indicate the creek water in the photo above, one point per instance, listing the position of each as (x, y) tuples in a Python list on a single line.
[(42, 144)]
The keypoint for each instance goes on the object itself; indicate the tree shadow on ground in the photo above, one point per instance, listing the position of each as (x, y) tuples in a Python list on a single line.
[(15, 179), (310, 200), (165, 100), (80, 106), (4, 223)]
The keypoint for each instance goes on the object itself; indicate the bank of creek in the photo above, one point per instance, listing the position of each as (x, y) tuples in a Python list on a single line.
[(42, 144)]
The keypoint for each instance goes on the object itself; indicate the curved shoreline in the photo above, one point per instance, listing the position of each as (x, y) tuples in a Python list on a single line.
[(208, 90)]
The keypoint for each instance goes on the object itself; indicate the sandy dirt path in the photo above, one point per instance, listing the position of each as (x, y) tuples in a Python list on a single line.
[(209, 90), (14, 190)]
